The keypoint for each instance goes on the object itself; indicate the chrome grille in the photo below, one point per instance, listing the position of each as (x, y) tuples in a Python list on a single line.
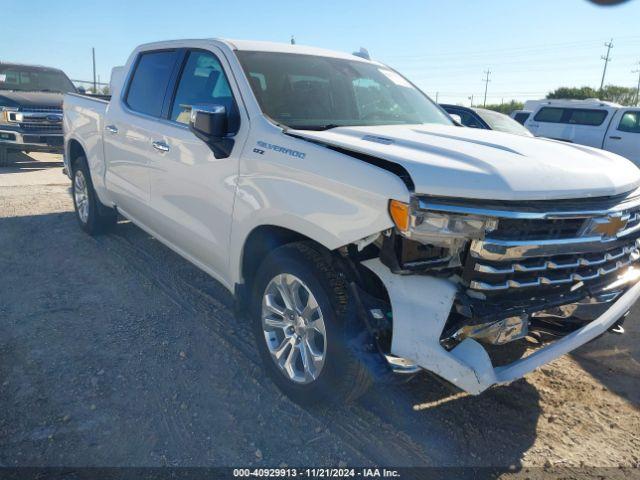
[(34, 119), (564, 271), (38, 127), (41, 109), (555, 250)]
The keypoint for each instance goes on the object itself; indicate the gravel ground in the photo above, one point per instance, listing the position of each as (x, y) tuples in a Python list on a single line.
[(115, 351)]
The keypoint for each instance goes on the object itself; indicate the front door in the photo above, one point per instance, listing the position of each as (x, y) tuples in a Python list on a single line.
[(623, 136), (192, 191)]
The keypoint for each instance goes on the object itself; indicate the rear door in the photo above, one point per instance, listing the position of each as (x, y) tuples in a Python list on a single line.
[(130, 122), (623, 136)]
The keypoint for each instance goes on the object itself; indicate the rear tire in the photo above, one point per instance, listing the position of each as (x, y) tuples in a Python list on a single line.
[(4, 157), (322, 296), (93, 217)]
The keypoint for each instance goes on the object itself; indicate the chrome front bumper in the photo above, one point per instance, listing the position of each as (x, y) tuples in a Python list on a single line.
[(419, 319)]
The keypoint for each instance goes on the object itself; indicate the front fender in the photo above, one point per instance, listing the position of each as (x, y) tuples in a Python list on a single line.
[(326, 196)]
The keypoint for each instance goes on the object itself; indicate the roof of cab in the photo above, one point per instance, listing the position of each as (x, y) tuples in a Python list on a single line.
[(26, 66), (258, 46)]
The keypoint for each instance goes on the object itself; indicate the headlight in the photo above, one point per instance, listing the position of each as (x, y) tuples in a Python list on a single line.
[(438, 228), (5, 113)]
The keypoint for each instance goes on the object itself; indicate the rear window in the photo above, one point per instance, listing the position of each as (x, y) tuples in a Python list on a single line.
[(521, 117), (468, 119), (571, 116), (149, 82)]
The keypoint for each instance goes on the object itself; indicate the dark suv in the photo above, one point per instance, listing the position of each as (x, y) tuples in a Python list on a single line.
[(31, 109)]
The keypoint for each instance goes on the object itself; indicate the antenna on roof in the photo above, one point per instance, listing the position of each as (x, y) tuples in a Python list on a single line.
[(293, 40), (363, 53)]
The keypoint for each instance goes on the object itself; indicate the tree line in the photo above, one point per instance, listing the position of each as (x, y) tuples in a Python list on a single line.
[(610, 93)]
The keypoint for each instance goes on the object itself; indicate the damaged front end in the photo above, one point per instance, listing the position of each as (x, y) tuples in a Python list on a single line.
[(533, 272)]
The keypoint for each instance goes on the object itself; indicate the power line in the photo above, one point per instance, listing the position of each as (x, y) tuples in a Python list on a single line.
[(638, 89), (486, 85), (606, 59), (95, 83), (491, 51)]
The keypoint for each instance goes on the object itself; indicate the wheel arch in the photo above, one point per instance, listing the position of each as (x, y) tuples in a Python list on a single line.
[(74, 151), (264, 239)]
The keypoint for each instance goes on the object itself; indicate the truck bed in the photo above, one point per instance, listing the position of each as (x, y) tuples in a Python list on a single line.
[(84, 119)]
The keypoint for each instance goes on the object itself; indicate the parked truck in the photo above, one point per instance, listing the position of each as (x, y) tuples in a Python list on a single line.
[(31, 109), (363, 233), (589, 122)]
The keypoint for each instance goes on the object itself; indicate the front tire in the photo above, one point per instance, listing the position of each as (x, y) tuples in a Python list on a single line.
[(300, 324), (93, 217)]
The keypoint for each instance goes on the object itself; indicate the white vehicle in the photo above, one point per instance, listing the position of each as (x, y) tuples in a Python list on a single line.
[(362, 232), (593, 122), (520, 116)]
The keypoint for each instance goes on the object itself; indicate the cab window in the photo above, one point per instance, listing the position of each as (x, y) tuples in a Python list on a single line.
[(630, 122), (202, 81), (572, 116), (469, 119), (521, 117), (150, 80)]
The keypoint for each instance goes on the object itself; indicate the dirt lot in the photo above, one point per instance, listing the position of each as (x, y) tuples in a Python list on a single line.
[(115, 351)]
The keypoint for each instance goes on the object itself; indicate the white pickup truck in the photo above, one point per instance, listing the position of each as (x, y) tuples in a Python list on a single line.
[(590, 122), (363, 233)]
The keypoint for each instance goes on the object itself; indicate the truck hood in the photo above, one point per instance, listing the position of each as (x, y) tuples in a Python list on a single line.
[(471, 163), (13, 98)]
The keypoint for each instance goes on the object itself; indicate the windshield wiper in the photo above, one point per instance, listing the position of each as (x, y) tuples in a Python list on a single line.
[(319, 128)]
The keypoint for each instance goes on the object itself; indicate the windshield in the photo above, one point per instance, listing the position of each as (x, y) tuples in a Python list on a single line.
[(315, 93), (502, 123), (15, 77)]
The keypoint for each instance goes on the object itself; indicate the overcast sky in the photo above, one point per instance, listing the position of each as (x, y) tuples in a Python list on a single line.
[(530, 47)]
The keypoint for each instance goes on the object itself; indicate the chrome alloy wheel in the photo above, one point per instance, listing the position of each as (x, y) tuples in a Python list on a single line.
[(294, 328), (81, 195)]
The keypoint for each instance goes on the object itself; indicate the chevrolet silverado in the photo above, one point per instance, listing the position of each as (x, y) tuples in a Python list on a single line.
[(364, 234)]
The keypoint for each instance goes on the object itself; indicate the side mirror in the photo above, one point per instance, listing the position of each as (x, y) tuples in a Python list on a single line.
[(210, 123), (456, 118)]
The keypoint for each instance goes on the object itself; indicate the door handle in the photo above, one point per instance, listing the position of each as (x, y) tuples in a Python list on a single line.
[(161, 146), (615, 138), (111, 129)]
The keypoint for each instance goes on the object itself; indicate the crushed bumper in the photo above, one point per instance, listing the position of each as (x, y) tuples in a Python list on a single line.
[(421, 306)]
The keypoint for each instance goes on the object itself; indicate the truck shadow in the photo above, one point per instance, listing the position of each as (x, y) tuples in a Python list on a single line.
[(614, 360), (447, 428), (21, 162), (418, 423)]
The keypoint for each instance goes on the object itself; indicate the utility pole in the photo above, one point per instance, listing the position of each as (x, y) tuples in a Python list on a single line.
[(437, 96), (93, 55), (486, 81), (471, 99), (606, 59), (638, 89)]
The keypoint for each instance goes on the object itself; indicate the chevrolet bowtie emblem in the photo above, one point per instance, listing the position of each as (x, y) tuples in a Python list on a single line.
[(609, 226)]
